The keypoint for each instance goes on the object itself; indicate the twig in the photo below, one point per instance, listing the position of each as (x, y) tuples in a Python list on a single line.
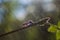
[(47, 21)]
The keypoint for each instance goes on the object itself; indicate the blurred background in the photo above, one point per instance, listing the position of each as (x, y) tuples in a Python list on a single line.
[(15, 12)]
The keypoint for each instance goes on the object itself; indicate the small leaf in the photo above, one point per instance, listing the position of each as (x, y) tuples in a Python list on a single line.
[(52, 28)]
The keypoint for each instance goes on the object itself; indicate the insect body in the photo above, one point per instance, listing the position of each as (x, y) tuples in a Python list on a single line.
[(28, 23)]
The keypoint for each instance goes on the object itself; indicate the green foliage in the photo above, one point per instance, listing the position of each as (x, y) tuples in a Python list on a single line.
[(58, 24), (58, 35), (58, 32), (53, 29)]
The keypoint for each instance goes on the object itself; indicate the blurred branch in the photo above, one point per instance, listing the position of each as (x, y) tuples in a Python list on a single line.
[(35, 23)]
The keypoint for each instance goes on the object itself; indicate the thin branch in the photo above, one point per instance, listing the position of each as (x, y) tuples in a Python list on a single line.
[(47, 21)]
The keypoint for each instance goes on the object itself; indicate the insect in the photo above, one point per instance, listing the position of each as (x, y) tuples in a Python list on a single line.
[(28, 23)]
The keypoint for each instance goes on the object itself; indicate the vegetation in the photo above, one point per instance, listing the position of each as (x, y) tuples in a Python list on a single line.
[(13, 14)]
